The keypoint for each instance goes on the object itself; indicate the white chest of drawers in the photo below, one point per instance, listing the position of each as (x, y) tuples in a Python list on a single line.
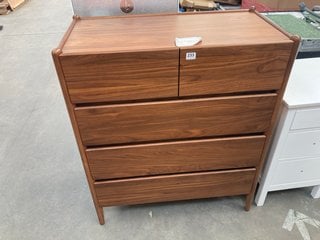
[(294, 157)]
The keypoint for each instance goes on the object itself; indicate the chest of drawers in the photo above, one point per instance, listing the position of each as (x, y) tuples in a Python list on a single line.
[(294, 158), (153, 126)]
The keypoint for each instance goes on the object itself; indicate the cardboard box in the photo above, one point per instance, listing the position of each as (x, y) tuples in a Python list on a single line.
[(198, 4), (278, 5), (4, 7), (294, 4), (231, 2), (15, 3)]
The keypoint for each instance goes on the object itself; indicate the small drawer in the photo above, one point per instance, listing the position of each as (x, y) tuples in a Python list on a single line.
[(297, 171), (233, 69), (175, 157), (301, 144), (309, 118), (121, 76), (174, 187), (180, 119)]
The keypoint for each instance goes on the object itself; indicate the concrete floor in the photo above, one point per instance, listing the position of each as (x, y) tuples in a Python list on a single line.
[(43, 190)]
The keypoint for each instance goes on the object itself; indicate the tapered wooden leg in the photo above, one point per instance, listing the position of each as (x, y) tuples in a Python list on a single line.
[(100, 215), (249, 199)]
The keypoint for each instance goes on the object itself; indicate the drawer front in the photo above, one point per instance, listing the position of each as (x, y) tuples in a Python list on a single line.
[(302, 144), (127, 123), (175, 157), (121, 76), (174, 187), (309, 118), (297, 171), (233, 69)]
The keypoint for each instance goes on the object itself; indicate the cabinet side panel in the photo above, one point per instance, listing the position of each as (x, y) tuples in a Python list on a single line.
[(275, 118), (56, 53)]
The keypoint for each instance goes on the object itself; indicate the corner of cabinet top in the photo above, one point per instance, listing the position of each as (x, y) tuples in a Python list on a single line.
[(153, 32)]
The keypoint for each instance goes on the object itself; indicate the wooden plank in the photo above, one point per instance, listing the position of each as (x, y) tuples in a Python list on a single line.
[(152, 32), (174, 187), (139, 122), (119, 76), (233, 69), (175, 157)]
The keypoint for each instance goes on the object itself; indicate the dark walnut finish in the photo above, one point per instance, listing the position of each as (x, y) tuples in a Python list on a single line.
[(237, 68), (170, 120), (174, 187), (175, 157), (117, 76), (152, 126)]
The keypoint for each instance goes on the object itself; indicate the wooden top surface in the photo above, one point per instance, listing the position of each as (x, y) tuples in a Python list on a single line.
[(152, 32)]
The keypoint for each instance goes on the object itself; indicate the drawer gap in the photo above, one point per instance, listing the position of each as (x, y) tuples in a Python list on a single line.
[(92, 104), (176, 174), (174, 140)]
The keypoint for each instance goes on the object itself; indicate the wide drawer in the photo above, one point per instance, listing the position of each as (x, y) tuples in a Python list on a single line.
[(128, 123), (297, 171), (121, 76), (301, 144), (233, 69), (174, 187), (309, 118), (175, 157)]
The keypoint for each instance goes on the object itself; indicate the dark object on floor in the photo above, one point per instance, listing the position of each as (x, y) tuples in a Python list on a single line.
[(1, 27)]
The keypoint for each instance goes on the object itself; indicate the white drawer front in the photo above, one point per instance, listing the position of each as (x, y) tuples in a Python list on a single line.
[(297, 171), (301, 144), (309, 118)]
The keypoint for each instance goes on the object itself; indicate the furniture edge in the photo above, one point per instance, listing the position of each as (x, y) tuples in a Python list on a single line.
[(66, 35), (275, 117), (70, 107)]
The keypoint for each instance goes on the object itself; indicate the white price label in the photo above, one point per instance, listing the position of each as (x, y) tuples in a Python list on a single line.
[(191, 55)]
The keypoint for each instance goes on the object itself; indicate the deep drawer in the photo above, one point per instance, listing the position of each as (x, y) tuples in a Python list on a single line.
[(121, 76), (174, 187), (128, 123), (175, 157), (233, 69)]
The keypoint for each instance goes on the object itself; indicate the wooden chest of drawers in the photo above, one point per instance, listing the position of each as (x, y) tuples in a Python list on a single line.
[(151, 125)]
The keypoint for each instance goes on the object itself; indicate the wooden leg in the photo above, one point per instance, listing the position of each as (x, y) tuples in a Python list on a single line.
[(249, 199), (100, 215)]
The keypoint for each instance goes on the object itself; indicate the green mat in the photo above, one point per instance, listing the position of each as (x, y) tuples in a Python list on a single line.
[(295, 26)]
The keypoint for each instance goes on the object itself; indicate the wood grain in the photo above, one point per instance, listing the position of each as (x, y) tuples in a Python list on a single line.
[(70, 107), (140, 33), (110, 59), (274, 120), (117, 76), (128, 123), (175, 157), (233, 69), (174, 187)]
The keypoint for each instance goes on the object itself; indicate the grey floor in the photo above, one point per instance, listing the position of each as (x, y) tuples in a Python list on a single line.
[(43, 190)]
